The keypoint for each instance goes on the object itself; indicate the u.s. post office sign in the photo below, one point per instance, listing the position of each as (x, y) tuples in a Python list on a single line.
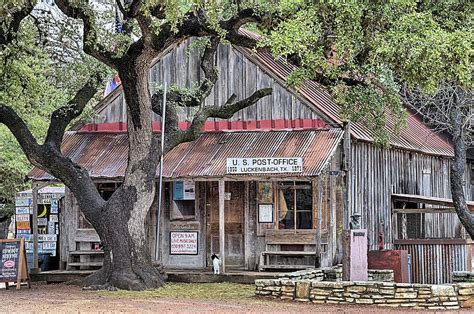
[(264, 165)]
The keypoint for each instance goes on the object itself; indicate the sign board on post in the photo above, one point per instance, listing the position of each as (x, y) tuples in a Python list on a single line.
[(23, 225), (183, 242), (264, 165), (23, 210), (13, 265)]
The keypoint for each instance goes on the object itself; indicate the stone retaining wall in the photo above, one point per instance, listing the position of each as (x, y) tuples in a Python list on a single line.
[(335, 274), (463, 276), (416, 296)]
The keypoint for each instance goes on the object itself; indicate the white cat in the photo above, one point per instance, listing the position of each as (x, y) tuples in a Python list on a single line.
[(216, 263)]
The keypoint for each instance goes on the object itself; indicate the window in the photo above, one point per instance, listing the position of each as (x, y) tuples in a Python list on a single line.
[(411, 225), (182, 205), (295, 206)]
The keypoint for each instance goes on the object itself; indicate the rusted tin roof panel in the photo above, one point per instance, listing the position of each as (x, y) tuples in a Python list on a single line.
[(208, 155), (105, 155)]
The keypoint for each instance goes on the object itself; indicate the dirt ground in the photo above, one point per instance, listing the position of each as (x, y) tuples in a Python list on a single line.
[(202, 298)]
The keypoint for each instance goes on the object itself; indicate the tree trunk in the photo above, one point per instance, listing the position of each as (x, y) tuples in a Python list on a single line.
[(4, 224), (127, 258), (457, 174), (121, 222)]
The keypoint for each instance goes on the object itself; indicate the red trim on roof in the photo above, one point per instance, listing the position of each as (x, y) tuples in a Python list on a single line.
[(223, 125)]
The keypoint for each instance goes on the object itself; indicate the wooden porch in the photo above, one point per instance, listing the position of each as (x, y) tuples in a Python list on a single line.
[(174, 275)]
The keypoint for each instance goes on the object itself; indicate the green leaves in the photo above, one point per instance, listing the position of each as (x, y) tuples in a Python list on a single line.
[(424, 54), (34, 81), (362, 51)]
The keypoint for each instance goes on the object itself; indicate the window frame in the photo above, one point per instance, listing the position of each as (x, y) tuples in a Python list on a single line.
[(295, 186)]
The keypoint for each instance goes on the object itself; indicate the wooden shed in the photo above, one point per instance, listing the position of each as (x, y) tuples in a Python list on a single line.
[(274, 186)]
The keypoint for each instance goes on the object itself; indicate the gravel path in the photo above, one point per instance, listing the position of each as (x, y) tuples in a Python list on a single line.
[(64, 298)]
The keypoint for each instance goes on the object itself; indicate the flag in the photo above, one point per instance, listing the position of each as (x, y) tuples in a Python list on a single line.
[(111, 85)]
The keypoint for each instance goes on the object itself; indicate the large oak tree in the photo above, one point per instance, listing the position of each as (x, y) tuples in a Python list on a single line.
[(150, 28)]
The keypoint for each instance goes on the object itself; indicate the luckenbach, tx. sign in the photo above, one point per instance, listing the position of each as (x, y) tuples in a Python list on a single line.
[(264, 165)]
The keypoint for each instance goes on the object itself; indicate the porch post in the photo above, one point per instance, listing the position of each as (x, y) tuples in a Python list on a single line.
[(34, 192), (319, 221), (347, 167), (222, 223)]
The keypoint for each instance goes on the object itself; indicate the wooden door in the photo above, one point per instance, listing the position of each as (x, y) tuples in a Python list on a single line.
[(233, 229)]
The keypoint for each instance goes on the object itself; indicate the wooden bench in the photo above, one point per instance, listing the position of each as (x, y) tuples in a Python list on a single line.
[(74, 259), (277, 238), (83, 256)]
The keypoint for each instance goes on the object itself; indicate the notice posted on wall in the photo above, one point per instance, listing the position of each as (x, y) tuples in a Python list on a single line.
[(183, 242)]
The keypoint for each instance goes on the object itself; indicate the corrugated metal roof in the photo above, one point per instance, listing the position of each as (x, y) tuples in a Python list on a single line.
[(207, 156), (417, 136), (105, 155)]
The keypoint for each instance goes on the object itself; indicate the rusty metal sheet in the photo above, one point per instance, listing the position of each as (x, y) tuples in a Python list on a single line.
[(433, 261), (208, 154), (105, 155)]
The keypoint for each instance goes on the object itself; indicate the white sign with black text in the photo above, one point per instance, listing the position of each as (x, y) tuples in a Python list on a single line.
[(265, 213), (264, 165), (183, 242)]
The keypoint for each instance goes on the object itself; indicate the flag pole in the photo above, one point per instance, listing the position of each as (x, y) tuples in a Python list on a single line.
[(160, 188)]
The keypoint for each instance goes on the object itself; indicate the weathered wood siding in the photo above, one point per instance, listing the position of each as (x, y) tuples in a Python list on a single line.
[(378, 172), (237, 75)]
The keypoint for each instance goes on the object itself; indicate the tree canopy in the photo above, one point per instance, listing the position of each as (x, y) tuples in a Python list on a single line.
[(39, 73), (365, 51)]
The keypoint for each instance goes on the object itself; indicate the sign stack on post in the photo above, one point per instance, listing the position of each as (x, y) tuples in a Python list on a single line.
[(47, 217), (13, 265)]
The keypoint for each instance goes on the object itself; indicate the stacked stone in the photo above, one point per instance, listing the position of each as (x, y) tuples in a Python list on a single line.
[(415, 296), (385, 275), (463, 276), (333, 273), (268, 287), (288, 289), (465, 292), (314, 274)]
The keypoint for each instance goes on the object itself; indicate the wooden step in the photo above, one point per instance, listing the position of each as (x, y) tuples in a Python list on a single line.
[(289, 267), (290, 253), (91, 252), (85, 264)]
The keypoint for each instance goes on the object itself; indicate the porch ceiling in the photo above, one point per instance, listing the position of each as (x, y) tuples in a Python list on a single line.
[(105, 155)]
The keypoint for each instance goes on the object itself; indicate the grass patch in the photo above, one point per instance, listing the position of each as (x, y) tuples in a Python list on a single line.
[(201, 291)]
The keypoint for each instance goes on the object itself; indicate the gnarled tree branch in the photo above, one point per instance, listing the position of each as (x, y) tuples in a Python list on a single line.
[(9, 26), (224, 112), (61, 117), (20, 130), (92, 45), (51, 160)]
